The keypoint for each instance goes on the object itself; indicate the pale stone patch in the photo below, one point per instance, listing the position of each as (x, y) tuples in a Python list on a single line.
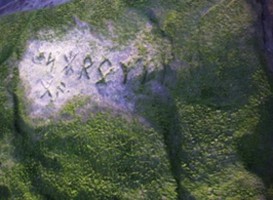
[(83, 63)]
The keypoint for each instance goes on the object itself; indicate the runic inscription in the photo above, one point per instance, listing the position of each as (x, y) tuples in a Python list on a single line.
[(80, 63), (57, 80)]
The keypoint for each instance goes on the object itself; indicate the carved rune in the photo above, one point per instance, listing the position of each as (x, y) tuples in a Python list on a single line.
[(104, 70), (87, 63), (69, 59), (60, 89), (125, 71), (50, 61), (39, 59), (47, 90)]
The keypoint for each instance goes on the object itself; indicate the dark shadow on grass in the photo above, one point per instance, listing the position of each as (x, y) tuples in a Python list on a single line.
[(159, 108), (4, 192), (27, 150), (256, 150)]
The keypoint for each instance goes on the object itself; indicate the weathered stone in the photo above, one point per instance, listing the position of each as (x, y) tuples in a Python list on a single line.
[(83, 63)]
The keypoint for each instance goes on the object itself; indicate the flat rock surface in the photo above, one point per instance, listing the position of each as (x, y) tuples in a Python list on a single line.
[(54, 71)]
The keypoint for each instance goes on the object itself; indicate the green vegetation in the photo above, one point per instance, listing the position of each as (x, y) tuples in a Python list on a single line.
[(209, 137), (102, 158), (218, 98)]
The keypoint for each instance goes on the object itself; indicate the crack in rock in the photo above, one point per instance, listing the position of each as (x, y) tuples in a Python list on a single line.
[(267, 29)]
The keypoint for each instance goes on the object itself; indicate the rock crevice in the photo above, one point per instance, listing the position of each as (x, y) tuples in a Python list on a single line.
[(267, 31)]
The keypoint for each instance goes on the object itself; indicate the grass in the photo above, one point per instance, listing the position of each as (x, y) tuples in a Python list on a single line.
[(218, 97), (103, 158)]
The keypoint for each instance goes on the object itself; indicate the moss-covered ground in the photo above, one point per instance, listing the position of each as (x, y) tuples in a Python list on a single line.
[(208, 138)]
